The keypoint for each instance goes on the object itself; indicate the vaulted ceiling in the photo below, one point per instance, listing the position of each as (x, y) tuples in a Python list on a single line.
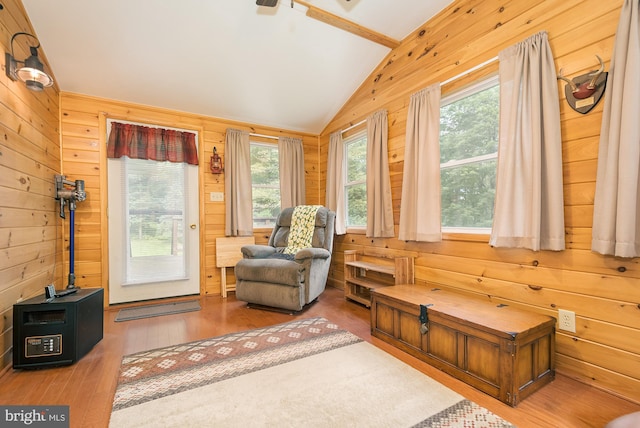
[(229, 59)]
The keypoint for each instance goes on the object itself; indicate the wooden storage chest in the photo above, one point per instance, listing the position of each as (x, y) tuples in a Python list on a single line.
[(505, 352)]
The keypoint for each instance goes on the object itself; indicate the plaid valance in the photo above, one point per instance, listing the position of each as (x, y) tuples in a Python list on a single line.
[(143, 142)]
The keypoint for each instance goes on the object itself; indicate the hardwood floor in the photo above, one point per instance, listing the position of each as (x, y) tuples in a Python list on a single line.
[(88, 386)]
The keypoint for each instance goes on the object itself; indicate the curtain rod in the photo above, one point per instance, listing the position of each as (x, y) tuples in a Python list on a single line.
[(150, 125), (253, 134), (469, 71), (456, 77), (353, 126)]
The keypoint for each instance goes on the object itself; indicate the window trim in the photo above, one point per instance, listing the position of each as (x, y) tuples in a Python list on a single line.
[(478, 86), (468, 161)]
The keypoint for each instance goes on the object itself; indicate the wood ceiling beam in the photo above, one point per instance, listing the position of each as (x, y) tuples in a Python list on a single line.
[(346, 25)]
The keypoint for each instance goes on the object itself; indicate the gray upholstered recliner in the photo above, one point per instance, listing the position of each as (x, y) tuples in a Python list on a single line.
[(267, 277)]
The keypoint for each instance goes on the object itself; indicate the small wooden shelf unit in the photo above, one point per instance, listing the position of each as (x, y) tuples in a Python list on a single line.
[(366, 272)]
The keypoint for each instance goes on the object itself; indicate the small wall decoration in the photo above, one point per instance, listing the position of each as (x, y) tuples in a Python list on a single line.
[(216, 162), (583, 92)]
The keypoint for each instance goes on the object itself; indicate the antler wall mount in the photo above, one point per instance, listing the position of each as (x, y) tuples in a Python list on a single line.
[(583, 92)]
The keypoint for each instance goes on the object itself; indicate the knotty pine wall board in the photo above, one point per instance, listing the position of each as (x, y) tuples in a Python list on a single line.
[(603, 291), (30, 228)]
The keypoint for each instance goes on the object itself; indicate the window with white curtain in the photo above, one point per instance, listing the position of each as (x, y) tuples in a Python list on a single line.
[(469, 123), (355, 188), (265, 184)]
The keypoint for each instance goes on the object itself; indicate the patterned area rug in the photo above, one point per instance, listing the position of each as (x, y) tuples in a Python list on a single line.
[(307, 372)]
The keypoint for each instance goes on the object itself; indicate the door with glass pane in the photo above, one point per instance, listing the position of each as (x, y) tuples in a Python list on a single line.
[(153, 230)]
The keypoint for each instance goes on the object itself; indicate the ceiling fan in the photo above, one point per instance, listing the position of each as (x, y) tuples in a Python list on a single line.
[(339, 22)]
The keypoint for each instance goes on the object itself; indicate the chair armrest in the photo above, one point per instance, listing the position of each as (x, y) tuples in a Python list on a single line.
[(257, 251), (312, 253)]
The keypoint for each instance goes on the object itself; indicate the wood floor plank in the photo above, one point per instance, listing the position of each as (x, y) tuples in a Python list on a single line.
[(88, 386)]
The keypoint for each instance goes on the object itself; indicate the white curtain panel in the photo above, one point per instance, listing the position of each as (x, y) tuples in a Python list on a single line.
[(379, 203), (420, 216), (334, 196), (529, 205), (616, 208), (291, 161), (237, 184)]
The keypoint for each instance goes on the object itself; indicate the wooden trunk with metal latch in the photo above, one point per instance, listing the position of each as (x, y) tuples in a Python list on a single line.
[(506, 352)]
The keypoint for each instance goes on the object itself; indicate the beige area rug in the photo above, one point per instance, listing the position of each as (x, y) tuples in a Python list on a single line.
[(305, 373), (148, 311)]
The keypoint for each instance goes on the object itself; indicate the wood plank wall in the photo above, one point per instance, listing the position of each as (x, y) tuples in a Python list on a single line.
[(83, 125), (29, 160), (603, 291)]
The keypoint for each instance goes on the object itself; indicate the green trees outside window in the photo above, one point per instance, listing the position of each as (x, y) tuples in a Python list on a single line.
[(155, 203), (468, 156), (355, 183), (265, 182)]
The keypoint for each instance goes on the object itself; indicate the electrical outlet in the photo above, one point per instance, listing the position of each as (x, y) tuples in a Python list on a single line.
[(567, 320), (216, 197)]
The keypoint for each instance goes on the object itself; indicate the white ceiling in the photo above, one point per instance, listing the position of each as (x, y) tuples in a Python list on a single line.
[(229, 59)]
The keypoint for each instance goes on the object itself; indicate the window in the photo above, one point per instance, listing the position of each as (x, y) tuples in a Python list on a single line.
[(265, 184), (468, 156), (355, 188)]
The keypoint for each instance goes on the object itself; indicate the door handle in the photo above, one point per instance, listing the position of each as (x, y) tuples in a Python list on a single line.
[(192, 226)]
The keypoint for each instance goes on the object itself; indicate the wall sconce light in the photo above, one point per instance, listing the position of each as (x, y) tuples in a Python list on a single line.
[(32, 72), (216, 162)]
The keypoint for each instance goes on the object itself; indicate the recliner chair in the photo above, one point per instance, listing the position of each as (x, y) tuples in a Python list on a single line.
[(267, 277)]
